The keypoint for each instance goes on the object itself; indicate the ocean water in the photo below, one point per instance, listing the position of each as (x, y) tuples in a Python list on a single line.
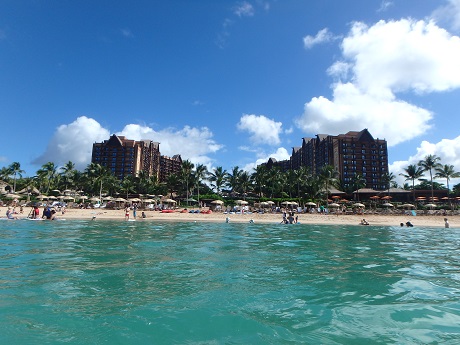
[(115, 282)]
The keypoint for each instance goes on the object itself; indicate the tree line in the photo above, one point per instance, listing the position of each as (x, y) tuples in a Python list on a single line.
[(198, 181)]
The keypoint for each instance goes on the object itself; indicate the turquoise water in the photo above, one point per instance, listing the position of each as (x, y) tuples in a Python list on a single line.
[(113, 282)]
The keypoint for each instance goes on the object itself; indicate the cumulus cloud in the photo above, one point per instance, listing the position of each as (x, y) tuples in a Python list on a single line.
[(404, 55), (73, 142), (379, 63), (280, 154), (351, 109), (447, 149), (322, 36), (191, 143), (262, 129)]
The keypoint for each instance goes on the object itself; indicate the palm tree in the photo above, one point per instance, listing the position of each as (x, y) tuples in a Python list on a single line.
[(201, 172), (292, 178), (328, 175), (388, 179), (5, 173), (15, 169), (218, 178), (447, 171), (186, 172), (359, 182), (302, 175), (413, 172), (172, 183), (245, 183), (127, 185), (67, 171), (430, 163), (259, 176), (274, 182), (98, 174), (50, 171), (233, 179)]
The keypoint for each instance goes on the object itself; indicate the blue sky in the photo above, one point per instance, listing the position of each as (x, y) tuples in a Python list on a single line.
[(227, 83)]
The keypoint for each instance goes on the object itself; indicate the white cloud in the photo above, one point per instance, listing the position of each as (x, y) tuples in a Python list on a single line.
[(384, 116), (378, 62), (322, 36), (244, 9), (73, 142), (404, 55), (447, 149), (280, 154), (191, 143), (449, 13), (262, 129)]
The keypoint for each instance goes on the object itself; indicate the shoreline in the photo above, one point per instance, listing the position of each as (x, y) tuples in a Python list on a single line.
[(265, 218)]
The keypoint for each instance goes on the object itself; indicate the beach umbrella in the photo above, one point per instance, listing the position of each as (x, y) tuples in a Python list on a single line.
[(334, 205), (335, 197), (148, 201), (407, 206), (82, 197), (68, 198), (358, 204), (52, 197), (134, 200), (310, 203), (387, 197), (170, 201), (430, 205), (264, 204), (343, 200), (387, 204), (217, 202), (107, 198), (119, 200), (270, 202), (287, 203), (375, 197), (11, 196), (95, 199), (241, 202)]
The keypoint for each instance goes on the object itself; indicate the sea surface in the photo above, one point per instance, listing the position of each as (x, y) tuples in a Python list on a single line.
[(115, 282)]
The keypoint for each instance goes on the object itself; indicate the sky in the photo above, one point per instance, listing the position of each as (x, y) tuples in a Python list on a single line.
[(228, 83)]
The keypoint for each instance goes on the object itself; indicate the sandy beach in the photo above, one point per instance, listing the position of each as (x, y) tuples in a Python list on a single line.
[(219, 217)]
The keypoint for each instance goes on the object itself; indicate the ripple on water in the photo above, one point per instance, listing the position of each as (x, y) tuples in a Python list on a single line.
[(88, 282)]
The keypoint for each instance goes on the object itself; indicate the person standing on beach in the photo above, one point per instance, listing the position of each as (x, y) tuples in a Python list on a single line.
[(446, 223), (127, 212), (134, 210)]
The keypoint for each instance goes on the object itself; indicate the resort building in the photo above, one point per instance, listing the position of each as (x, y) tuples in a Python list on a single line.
[(124, 157), (169, 165), (351, 154)]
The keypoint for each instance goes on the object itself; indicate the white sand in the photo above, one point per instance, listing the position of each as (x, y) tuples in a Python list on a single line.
[(373, 219)]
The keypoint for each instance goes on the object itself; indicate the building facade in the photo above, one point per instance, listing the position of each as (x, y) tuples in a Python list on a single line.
[(169, 166), (351, 154), (124, 157)]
